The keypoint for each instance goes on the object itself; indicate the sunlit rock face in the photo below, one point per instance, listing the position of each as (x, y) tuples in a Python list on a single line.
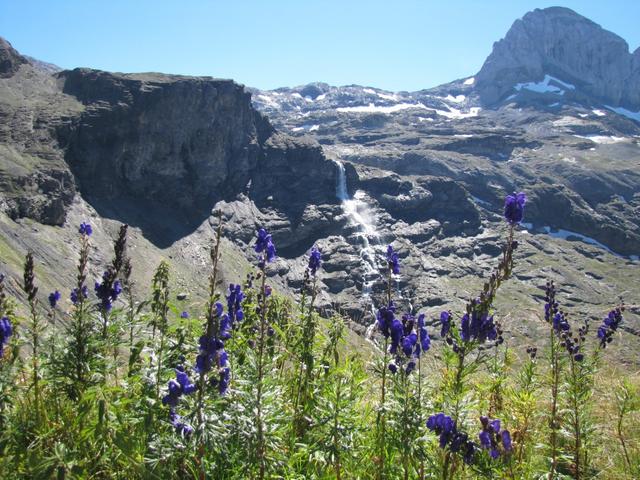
[(560, 43)]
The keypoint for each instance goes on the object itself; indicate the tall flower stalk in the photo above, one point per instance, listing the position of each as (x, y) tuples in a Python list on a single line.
[(266, 250), (160, 311), (387, 324), (306, 344), (35, 328), (208, 342)]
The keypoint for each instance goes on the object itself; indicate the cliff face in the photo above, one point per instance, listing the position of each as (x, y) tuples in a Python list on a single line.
[(187, 140), (170, 141), (559, 42)]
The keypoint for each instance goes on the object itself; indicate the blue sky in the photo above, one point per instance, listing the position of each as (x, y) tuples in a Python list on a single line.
[(399, 45)]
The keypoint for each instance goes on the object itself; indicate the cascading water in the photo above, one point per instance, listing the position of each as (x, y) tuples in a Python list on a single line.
[(372, 250), (362, 217)]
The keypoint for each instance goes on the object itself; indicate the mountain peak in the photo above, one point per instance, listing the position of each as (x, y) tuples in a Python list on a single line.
[(559, 42)]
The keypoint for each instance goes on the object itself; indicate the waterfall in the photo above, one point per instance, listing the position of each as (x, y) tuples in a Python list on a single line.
[(341, 185), (361, 216)]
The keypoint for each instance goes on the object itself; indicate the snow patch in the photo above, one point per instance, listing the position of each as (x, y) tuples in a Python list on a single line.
[(624, 112), (371, 108), (545, 86), (321, 97), (369, 91), (598, 112), (603, 139), (452, 113), (384, 96), (470, 81), (313, 128), (268, 100), (565, 234), (456, 99), (456, 114)]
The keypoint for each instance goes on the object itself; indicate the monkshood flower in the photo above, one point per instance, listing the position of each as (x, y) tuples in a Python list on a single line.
[(5, 332), (265, 246), (445, 321), (54, 297), (392, 260), (234, 303), (385, 318), (77, 296), (492, 436), (108, 290), (184, 314), (514, 207), (181, 427), (414, 339), (212, 351), (178, 387), (315, 258), (477, 326), (224, 373), (609, 326), (85, 229), (444, 426)]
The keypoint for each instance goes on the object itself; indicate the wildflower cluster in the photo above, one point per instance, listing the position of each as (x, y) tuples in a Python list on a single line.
[(514, 207), (85, 229), (265, 247), (412, 338), (392, 260), (234, 303), (212, 349), (6, 331), (456, 441), (609, 326), (477, 325), (315, 258), (178, 387), (54, 298), (560, 324), (108, 290), (79, 294), (491, 437)]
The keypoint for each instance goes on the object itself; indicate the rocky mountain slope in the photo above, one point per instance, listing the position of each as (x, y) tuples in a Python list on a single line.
[(350, 169)]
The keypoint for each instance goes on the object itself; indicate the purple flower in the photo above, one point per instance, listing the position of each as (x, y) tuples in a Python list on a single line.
[(514, 207), (506, 440), (445, 321), (385, 317), (491, 436), (77, 296), (315, 258), (234, 301), (178, 387), (393, 260), (477, 326), (184, 315), (181, 427), (6, 331), (54, 297), (108, 290), (609, 326), (85, 229), (264, 245), (425, 341), (458, 442)]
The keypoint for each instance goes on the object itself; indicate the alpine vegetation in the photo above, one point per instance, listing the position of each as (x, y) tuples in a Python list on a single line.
[(249, 383)]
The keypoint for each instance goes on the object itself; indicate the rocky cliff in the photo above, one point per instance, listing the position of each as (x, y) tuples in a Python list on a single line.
[(559, 42), (174, 143)]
